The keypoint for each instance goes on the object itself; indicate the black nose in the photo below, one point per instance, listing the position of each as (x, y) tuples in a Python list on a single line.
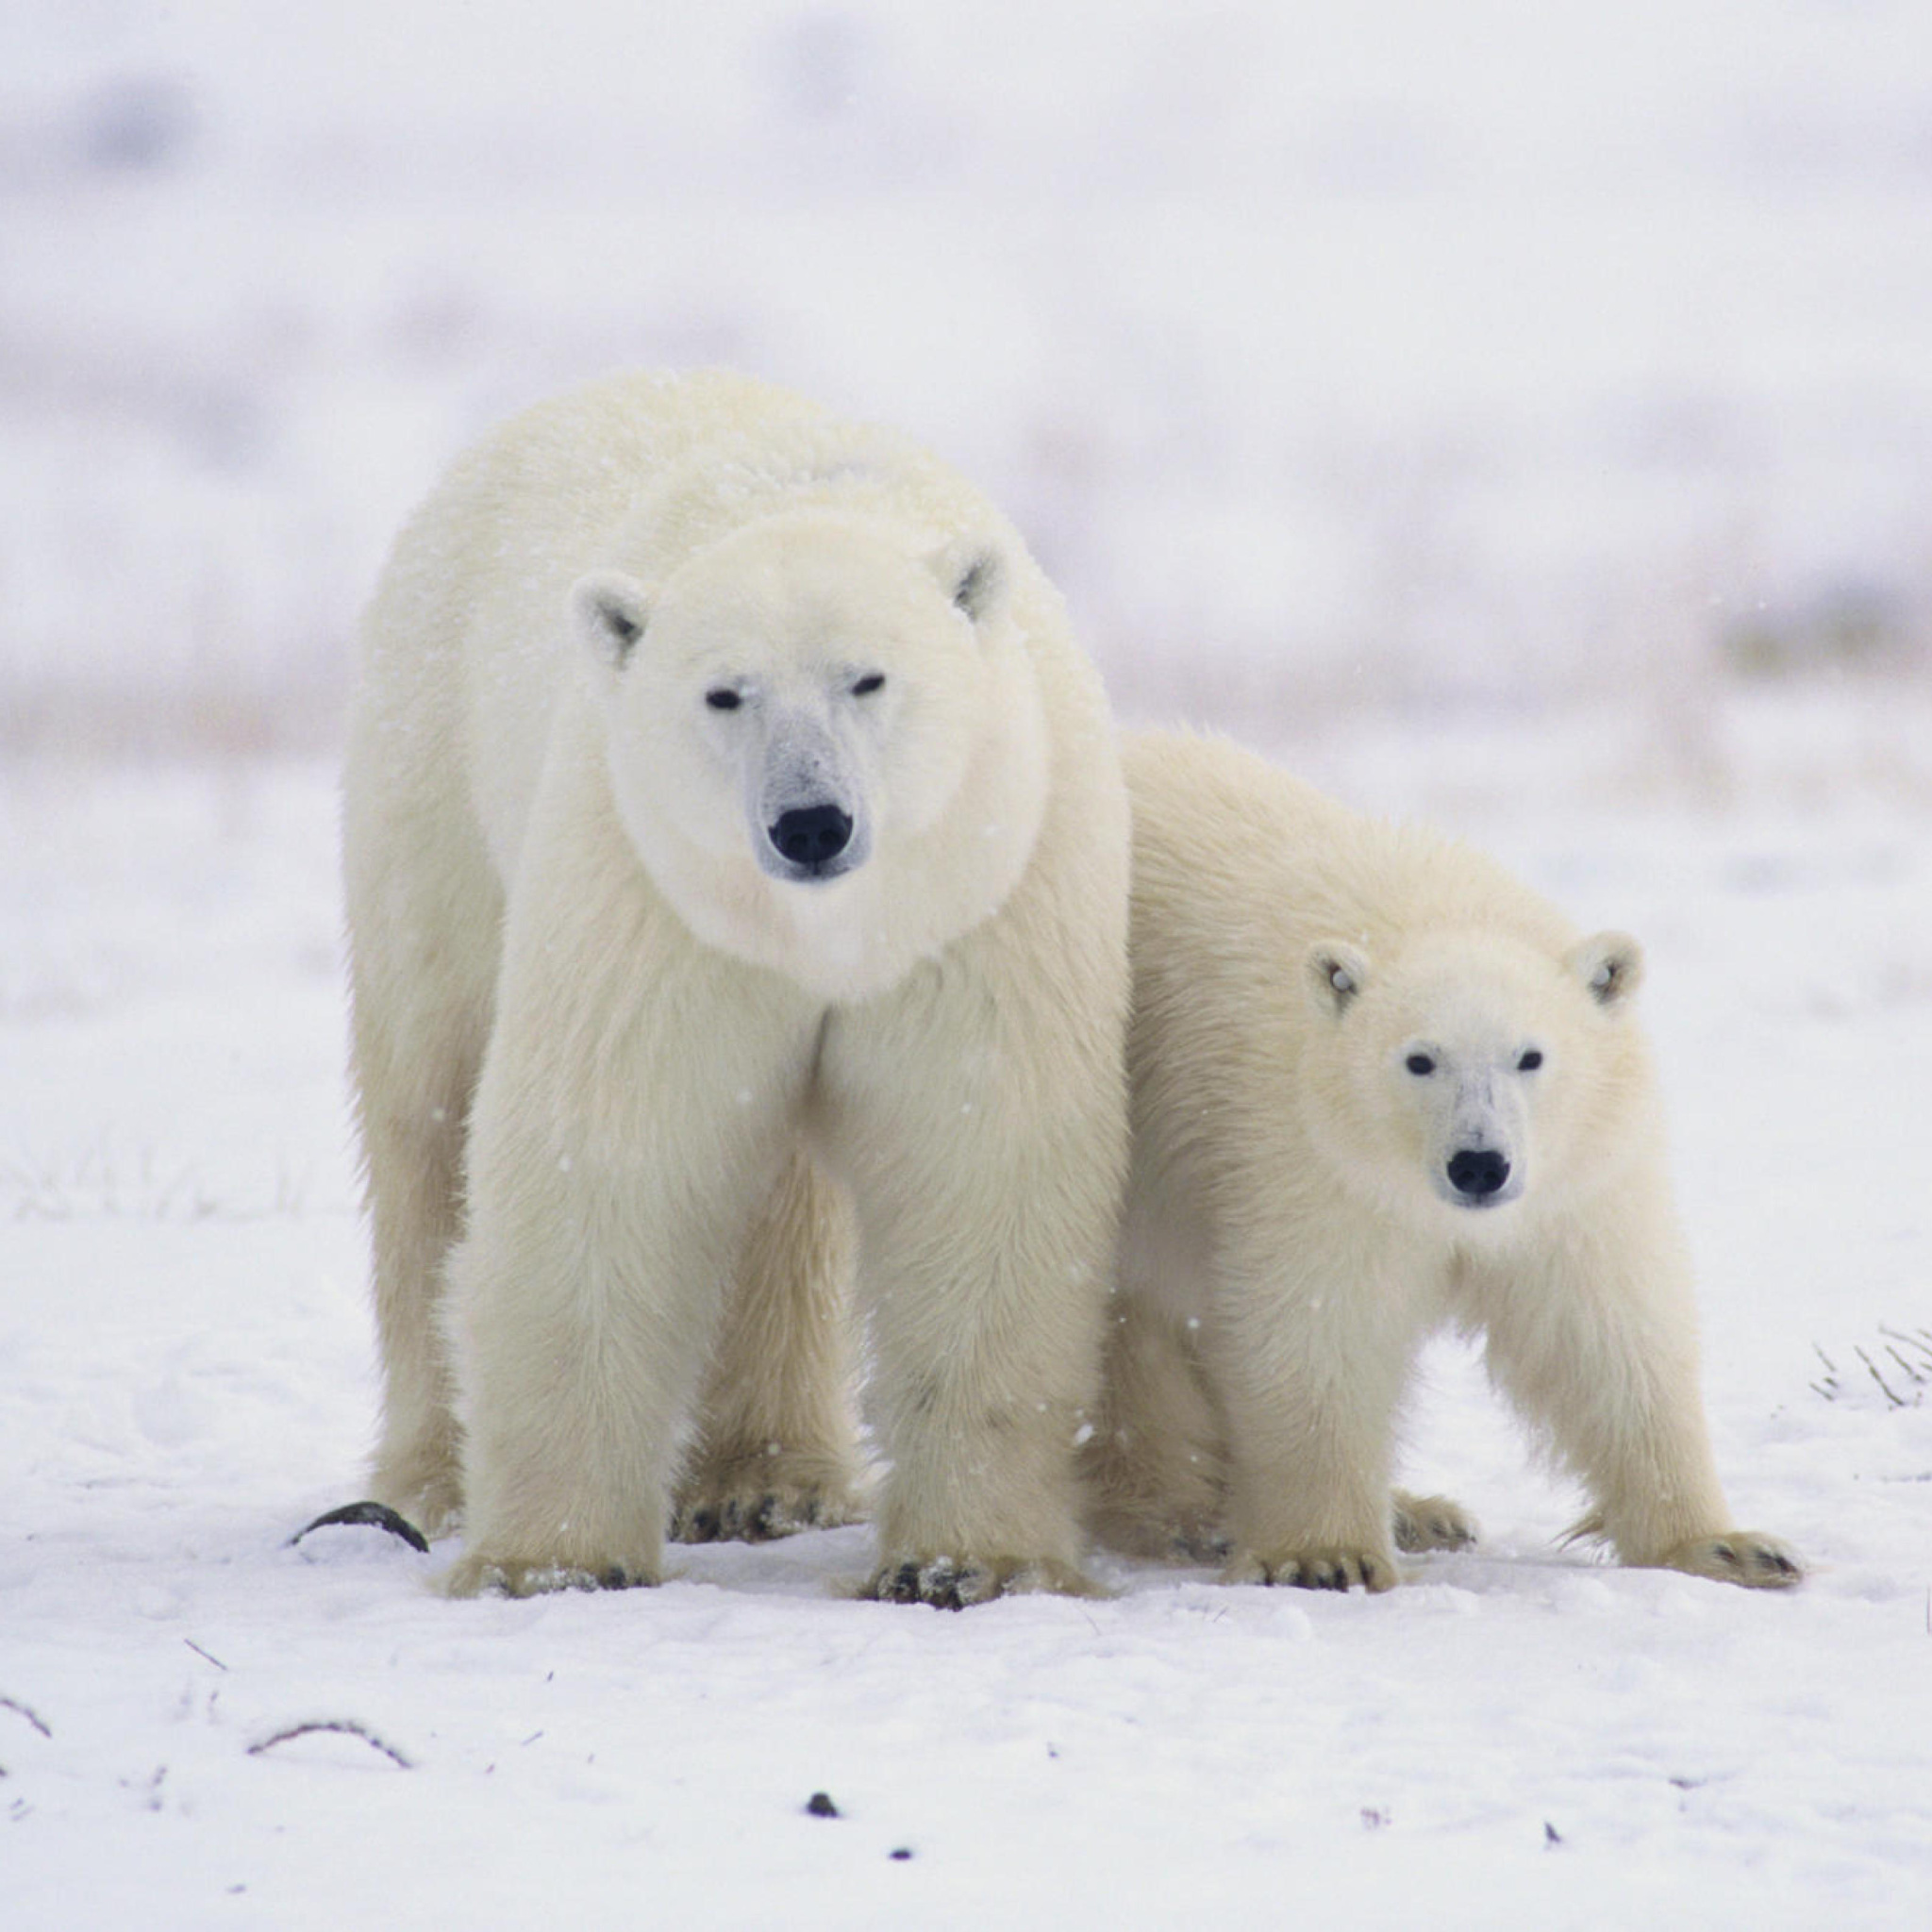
[(1477, 1172), (810, 834)]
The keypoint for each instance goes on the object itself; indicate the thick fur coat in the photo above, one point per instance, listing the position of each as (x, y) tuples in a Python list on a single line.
[(736, 852), (1379, 1087)]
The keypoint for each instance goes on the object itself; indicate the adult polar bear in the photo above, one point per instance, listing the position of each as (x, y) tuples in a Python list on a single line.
[(1378, 1086), (732, 832)]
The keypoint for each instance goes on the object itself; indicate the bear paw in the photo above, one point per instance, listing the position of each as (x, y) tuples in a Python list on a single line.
[(1324, 1569), (1194, 1544), (955, 1583), (715, 1508), (1743, 1556), (483, 1575), (1431, 1523)]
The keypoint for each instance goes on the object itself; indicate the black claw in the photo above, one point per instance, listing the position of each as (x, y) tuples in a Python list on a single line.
[(376, 1515), (1724, 1553), (614, 1578), (704, 1524), (964, 1587)]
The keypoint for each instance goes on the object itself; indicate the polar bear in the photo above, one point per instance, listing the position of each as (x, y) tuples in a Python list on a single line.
[(736, 858), (1378, 1087)]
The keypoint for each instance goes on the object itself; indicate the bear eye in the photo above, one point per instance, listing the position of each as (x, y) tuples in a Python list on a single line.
[(871, 681), (1531, 1061), (723, 699), (1420, 1064)]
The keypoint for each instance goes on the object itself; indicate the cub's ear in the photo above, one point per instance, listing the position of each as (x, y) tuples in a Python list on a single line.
[(609, 610), (1609, 964), (1336, 972), (974, 574)]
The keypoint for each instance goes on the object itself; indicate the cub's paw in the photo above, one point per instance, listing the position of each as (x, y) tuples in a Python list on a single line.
[(956, 1583), (757, 1504), (1430, 1522), (483, 1575), (1745, 1557), (1321, 1569)]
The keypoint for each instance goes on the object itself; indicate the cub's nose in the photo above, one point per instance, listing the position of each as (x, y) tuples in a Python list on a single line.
[(811, 836), (1476, 1172)]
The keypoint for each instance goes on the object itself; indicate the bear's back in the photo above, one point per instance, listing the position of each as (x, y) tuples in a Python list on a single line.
[(1232, 854)]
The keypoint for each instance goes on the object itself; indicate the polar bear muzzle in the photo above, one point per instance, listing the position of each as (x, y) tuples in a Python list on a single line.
[(810, 838), (807, 799)]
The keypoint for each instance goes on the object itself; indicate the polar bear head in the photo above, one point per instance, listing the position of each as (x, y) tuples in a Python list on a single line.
[(1473, 1070), (801, 717)]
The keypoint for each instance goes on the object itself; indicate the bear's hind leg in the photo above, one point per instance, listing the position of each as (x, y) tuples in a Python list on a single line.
[(777, 1447), (1430, 1522), (1155, 1468), (416, 1043), (414, 1192)]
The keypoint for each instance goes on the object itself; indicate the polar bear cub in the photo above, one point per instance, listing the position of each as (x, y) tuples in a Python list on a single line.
[(1379, 1087), (736, 855)]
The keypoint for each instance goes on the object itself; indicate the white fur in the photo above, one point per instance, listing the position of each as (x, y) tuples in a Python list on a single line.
[(1380, 1087), (680, 1063)]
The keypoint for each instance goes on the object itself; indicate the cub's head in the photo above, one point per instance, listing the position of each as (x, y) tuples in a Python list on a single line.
[(792, 711), (1474, 1071)]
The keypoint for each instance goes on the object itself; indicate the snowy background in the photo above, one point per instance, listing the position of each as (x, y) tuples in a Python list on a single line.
[(1515, 414)]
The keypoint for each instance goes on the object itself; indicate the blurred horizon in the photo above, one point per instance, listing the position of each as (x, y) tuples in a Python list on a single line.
[(1474, 368)]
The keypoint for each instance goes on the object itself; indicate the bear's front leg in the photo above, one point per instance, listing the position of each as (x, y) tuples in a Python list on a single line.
[(1596, 1340), (1311, 1363), (985, 1140), (635, 1109)]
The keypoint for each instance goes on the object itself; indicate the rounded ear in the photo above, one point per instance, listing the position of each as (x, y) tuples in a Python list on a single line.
[(1336, 972), (609, 610), (973, 573), (1610, 965)]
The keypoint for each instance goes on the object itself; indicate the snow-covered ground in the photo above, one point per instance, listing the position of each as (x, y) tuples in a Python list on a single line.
[(1519, 1737), (1509, 416)]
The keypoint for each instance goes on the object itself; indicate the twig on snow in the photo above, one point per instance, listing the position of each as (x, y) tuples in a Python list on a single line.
[(347, 1726), (1828, 1388), (1909, 1355), (32, 1717), (1923, 1350), (1885, 1388), (207, 1654)]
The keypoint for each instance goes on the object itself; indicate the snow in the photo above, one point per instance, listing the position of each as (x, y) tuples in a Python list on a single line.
[(1512, 418)]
